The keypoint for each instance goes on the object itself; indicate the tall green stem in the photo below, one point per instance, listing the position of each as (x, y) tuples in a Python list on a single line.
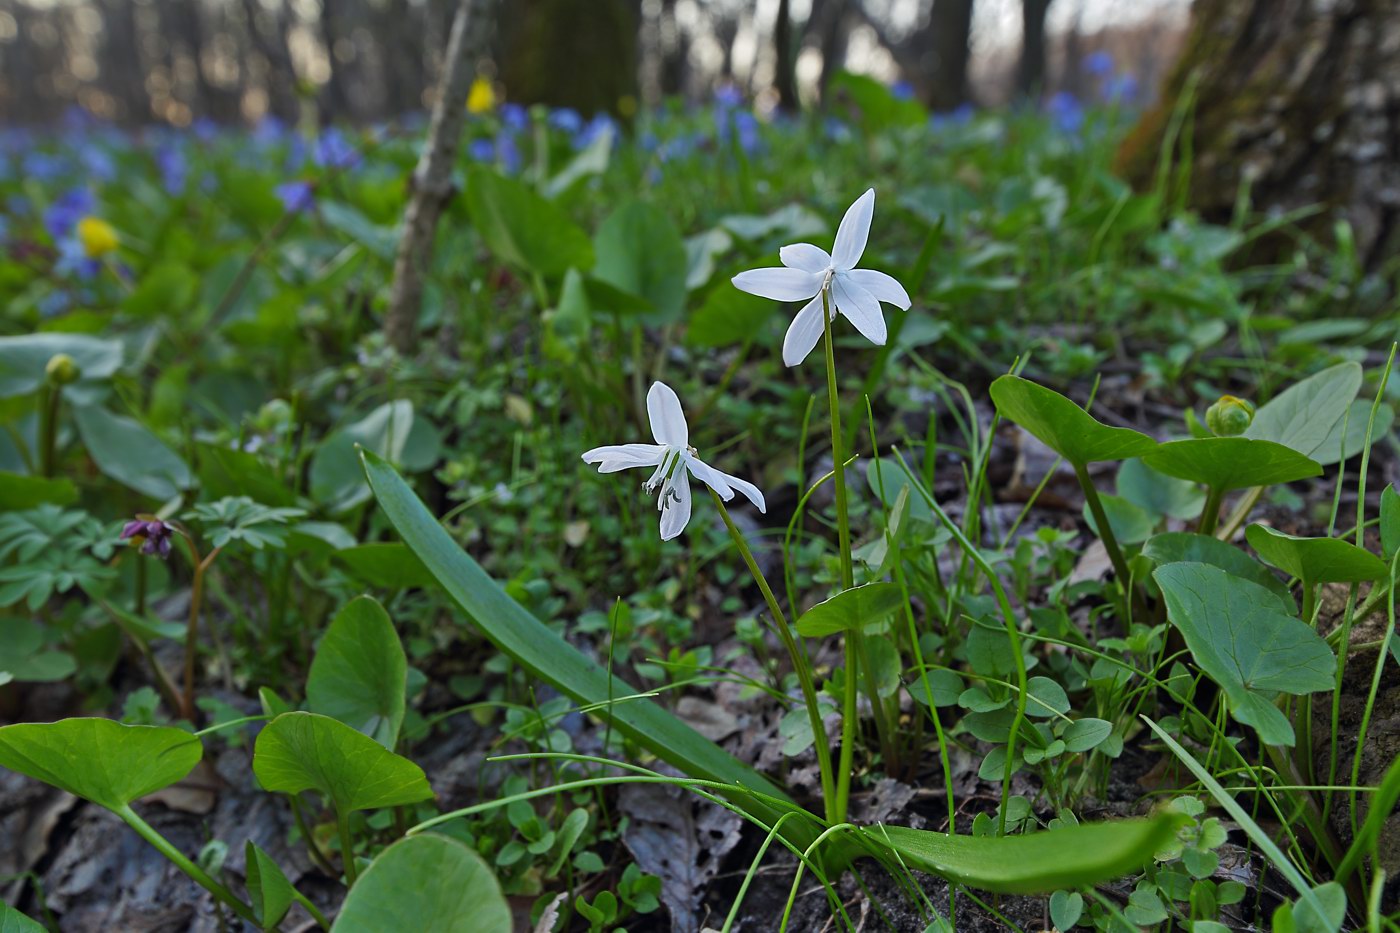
[(49, 398), (799, 662), (347, 848), (1106, 535), (1211, 513), (162, 845)]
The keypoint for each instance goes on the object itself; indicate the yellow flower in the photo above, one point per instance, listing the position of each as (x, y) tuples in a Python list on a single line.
[(97, 236), (482, 98)]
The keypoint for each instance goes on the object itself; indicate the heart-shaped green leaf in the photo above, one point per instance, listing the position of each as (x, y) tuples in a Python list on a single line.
[(106, 762), (23, 360), (1315, 560), (1240, 639), (426, 882), (127, 452), (1226, 463), (850, 609), (1176, 547), (1306, 414), (18, 491), (25, 656), (268, 888), (1034, 863), (640, 251), (12, 921), (1158, 493), (1066, 907), (1063, 426), (306, 751), (360, 672), (522, 228)]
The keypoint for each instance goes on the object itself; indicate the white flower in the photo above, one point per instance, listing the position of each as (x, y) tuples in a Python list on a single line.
[(674, 460), (809, 271)]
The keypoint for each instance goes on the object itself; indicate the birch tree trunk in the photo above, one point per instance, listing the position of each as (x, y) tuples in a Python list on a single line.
[(432, 179), (1299, 100)]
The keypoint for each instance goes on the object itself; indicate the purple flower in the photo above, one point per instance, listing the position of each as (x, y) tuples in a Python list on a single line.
[(746, 127), (728, 96), (296, 196), (902, 90), (1122, 89), (153, 535), (333, 150), (1064, 108), (1099, 63), (269, 131), (174, 168), (99, 164), (509, 153), (42, 166), (482, 150), (566, 119), (515, 116), (64, 213), (73, 259), (205, 129)]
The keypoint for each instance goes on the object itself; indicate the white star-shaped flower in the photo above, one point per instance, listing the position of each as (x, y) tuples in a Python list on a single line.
[(675, 462), (810, 270)]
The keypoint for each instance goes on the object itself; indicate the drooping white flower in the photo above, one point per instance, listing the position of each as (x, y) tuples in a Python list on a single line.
[(810, 270), (674, 461)]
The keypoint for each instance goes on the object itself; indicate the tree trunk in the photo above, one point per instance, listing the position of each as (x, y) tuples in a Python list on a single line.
[(933, 57), (1030, 71), (570, 54), (432, 179), (785, 58), (1299, 100)]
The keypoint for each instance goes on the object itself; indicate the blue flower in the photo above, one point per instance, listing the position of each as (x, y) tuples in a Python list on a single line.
[(482, 150), (514, 116), (43, 167), (1098, 63), (566, 119), (54, 303), (1064, 108), (746, 126), (296, 196), (269, 131), (960, 116), (205, 129), (508, 153), (1121, 89), (334, 151), (600, 124), (728, 96), (98, 164), (174, 168), (73, 260), (64, 213), (902, 90)]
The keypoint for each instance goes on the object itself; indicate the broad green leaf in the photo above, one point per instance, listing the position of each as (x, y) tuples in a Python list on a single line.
[(25, 656), (886, 478), (336, 480), (1244, 643), (1085, 734), (591, 160), (522, 228), (429, 883), (106, 762), (1315, 560), (1175, 547), (1035, 863), (1390, 522), (269, 890), (1334, 450), (165, 290), (378, 239), (25, 492), (639, 251), (1305, 414), (850, 609), (1227, 463), (123, 449), (1158, 493), (24, 358), (388, 565), (224, 471), (1066, 907), (360, 672), (1332, 899), (1063, 426), (12, 921), (727, 317), (1046, 698), (306, 751), (1131, 523), (946, 686), (544, 655)]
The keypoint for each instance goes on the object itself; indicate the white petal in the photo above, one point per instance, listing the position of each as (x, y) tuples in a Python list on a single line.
[(883, 287), (853, 232), (803, 333), (624, 456), (675, 513), (710, 477), (860, 308), (779, 284), (748, 489), (806, 257), (667, 419)]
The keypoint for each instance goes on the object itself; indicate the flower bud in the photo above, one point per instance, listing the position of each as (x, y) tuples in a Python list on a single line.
[(1229, 416), (62, 370)]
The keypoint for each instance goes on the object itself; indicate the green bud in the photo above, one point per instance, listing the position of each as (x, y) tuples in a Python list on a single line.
[(62, 370), (1229, 416)]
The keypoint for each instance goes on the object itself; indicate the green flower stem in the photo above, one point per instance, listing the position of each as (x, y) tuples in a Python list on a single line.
[(347, 848), (1241, 512), (201, 567), (49, 398), (1106, 535), (1211, 513), (162, 845), (799, 660)]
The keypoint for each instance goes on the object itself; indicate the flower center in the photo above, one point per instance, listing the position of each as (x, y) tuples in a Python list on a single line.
[(669, 472)]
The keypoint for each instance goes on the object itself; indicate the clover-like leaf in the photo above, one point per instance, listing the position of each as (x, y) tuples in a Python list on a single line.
[(1063, 426), (306, 751), (1225, 463), (850, 609), (1240, 639), (1315, 560), (106, 762), (426, 882), (360, 673)]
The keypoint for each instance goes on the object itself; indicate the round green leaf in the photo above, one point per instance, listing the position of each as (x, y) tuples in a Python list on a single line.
[(12, 921), (1315, 560), (1063, 426), (1227, 463), (1066, 908), (640, 251), (1175, 547), (426, 883), (306, 751), (522, 228), (106, 762), (23, 359), (124, 450), (1305, 415), (860, 605), (1084, 734), (360, 672), (1158, 493)]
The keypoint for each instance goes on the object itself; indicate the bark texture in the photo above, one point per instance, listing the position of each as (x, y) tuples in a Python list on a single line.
[(432, 179), (1298, 98), (934, 56), (570, 54), (1030, 70)]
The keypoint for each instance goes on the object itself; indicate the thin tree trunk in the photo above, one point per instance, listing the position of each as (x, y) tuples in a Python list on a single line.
[(785, 60), (1030, 73), (432, 179)]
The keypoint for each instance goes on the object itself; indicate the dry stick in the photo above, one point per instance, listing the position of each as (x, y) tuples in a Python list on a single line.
[(432, 179)]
